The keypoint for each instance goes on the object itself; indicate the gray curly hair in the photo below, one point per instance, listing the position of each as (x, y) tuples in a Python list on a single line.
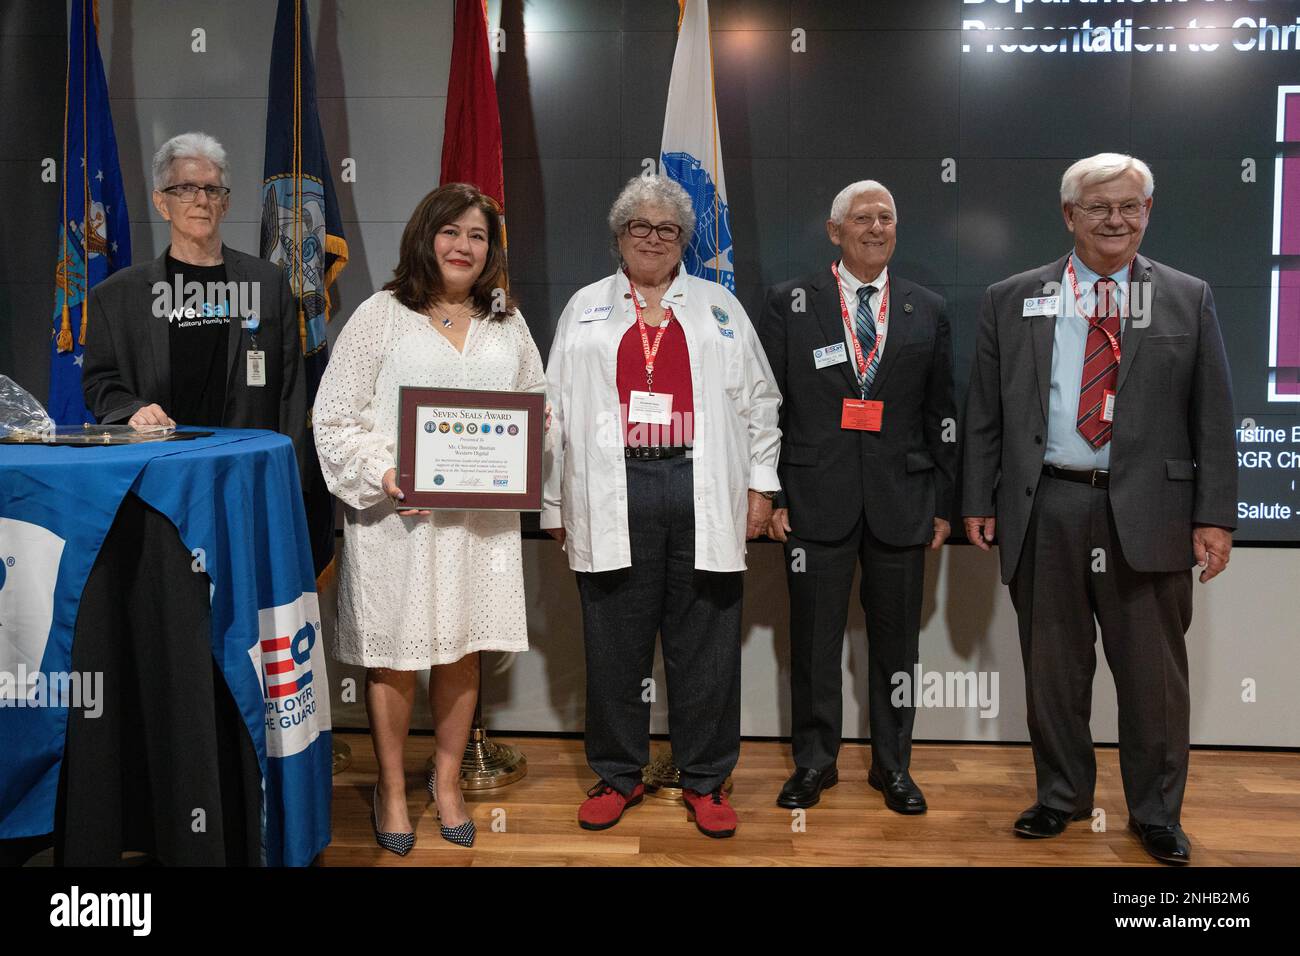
[(652, 191)]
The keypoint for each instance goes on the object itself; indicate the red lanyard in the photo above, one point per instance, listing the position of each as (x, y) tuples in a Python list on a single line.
[(882, 317), (1078, 298), (650, 351)]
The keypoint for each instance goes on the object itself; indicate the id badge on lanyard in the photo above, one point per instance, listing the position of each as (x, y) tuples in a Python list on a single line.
[(649, 407), (255, 358), (862, 414)]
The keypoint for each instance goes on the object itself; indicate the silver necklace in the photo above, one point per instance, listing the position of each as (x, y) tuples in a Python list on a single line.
[(446, 322)]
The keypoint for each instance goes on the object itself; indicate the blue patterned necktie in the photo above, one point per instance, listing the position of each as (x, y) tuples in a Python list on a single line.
[(865, 327)]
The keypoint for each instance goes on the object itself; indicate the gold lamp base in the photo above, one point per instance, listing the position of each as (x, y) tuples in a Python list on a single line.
[(342, 755), (663, 780), (487, 765)]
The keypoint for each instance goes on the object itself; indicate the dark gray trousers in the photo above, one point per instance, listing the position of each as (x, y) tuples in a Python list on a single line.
[(698, 615), (820, 577), (1071, 577)]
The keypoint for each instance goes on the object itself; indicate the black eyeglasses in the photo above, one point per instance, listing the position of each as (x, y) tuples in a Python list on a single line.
[(187, 192), (667, 231)]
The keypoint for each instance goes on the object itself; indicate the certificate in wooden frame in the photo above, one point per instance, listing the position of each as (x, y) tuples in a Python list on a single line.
[(483, 470)]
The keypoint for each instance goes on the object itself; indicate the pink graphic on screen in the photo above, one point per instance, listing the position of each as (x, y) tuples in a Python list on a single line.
[(1284, 373)]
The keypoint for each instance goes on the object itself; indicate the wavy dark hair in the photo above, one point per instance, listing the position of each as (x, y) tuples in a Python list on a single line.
[(417, 280)]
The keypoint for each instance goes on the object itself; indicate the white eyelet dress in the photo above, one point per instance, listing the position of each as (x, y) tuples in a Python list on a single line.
[(417, 591)]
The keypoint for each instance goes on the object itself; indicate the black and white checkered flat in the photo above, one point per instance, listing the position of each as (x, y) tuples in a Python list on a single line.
[(462, 835), (399, 843)]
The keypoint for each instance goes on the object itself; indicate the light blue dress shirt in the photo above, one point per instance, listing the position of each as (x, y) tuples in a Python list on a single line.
[(1066, 448)]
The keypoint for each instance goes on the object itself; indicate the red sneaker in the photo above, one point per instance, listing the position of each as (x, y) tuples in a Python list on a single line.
[(710, 812), (604, 806)]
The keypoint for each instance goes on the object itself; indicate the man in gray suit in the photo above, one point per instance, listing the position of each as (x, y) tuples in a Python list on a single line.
[(204, 334), (1099, 447)]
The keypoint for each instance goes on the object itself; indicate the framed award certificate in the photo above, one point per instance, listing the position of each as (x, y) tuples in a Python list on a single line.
[(470, 450)]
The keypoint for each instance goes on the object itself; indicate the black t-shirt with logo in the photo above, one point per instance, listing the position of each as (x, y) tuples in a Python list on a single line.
[(198, 344)]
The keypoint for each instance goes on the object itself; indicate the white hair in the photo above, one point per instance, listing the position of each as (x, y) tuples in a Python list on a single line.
[(844, 201), (653, 191), (1102, 168), (187, 146)]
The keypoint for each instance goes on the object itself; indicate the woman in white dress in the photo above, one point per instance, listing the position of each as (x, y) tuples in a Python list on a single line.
[(421, 589)]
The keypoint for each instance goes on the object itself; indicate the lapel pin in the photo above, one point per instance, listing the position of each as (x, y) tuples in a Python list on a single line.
[(907, 307)]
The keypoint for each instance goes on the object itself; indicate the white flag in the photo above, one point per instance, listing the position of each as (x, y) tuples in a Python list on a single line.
[(691, 153)]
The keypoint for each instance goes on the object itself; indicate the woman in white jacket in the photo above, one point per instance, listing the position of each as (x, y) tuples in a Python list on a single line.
[(666, 414), (420, 589)]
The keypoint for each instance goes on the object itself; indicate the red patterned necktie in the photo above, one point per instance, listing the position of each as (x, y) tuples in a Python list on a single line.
[(1100, 367)]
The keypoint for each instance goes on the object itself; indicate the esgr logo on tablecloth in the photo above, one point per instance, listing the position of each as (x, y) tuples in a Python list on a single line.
[(288, 656), (29, 570)]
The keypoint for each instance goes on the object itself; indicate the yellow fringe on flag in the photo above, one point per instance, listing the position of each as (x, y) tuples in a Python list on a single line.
[(65, 330)]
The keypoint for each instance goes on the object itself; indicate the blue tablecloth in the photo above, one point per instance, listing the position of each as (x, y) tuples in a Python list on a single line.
[(236, 501)]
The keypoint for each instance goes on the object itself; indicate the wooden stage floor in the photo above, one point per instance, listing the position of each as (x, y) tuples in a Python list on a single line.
[(1242, 809)]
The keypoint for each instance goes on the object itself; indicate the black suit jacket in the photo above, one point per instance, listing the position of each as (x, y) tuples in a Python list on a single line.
[(127, 359), (1173, 459), (901, 476)]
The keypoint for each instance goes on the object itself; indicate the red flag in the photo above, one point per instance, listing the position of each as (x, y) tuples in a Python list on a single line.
[(471, 145)]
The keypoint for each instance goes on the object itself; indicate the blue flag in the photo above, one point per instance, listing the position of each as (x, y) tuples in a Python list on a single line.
[(301, 228), (95, 231)]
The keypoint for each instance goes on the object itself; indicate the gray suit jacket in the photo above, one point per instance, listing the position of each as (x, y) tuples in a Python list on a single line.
[(127, 359), (1173, 456)]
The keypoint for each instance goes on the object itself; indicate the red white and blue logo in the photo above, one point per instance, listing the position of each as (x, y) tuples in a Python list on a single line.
[(286, 662), (288, 654)]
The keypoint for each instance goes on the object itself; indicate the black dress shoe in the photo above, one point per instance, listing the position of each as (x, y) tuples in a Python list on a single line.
[(1040, 821), (902, 795), (1166, 844), (805, 786)]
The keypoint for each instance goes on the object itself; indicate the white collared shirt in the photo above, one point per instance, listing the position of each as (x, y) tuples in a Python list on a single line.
[(849, 285), (737, 440)]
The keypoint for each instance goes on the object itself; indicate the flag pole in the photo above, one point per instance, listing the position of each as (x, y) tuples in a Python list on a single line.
[(661, 777), (472, 153)]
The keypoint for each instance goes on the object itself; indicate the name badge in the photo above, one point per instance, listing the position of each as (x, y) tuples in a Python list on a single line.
[(651, 408), (595, 313), (1042, 305), (830, 355), (256, 367), (862, 415), (1108, 406)]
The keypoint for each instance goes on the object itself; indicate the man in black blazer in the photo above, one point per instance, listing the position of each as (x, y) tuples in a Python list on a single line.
[(204, 334), (863, 360), (1099, 446)]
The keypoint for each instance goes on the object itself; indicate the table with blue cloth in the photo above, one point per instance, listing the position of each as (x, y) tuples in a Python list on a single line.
[(162, 675)]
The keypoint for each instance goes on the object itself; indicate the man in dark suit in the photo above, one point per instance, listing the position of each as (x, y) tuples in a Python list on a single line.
[(204, 334), (1099, 447), (863, 360)]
